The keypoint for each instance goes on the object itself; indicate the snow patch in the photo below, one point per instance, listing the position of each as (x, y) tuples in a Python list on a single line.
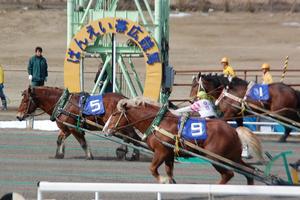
[(292, 24), (45, 125), (180, 14)]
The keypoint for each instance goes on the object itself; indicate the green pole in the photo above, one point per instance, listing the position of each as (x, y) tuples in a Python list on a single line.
[(126, 76), (138, 6), (70, 8), (85, 13), (157, 14), (149, 10), (136, 77), (105, 66)]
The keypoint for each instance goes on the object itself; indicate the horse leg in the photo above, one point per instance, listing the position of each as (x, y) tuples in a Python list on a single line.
[(83, 143), (60, 149), (226, 174), (169, 166), (250, 180), (286, 134), (157, 160), (121, 151), (239, 122)]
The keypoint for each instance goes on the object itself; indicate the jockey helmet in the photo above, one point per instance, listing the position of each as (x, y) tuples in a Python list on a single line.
[(265, 66), (202, 95), (225, 60)]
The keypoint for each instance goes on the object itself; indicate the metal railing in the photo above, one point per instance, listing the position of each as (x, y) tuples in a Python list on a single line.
[(183, 77), (159, 189)]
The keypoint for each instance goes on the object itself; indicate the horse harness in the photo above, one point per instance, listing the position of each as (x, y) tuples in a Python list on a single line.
[(31, 101)]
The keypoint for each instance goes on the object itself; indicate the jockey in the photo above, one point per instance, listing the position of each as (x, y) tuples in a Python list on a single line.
[(227, 69), (267, 77), (202, 105)]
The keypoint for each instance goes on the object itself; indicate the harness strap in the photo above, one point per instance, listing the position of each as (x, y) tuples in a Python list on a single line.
[(156, 121), (60, 104), (222, 95), (249, 87)]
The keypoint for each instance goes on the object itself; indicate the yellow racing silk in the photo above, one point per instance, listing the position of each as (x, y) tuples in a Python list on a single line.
[(267, 78), (228, 71), (1, 75)]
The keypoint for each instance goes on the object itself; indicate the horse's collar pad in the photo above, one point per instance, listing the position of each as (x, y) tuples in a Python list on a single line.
[(60, 104)]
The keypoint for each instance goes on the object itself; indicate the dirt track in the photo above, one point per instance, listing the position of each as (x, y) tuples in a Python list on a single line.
[(196, 41)]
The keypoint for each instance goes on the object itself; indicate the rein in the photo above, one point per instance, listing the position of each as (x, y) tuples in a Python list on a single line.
[(31, 101), (116, 128)]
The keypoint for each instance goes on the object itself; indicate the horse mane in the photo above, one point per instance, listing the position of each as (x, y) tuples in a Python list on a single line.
[(135, 102), (238, 81)]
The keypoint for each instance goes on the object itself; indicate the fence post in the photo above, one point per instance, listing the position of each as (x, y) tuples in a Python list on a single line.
[(29, 123), (96, 195), (245, 74), (39, 194), (158, 196)]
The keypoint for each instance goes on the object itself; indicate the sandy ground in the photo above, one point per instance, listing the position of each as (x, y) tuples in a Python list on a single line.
[(197, 41)]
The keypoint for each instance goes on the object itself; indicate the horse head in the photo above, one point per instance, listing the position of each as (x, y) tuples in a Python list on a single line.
[(28, 105), (138, 112), (117, 119), (210, 83)]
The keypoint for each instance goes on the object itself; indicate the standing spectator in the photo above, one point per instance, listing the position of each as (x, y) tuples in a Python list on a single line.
[(227, 69), (2, 95), (38, 68), (101, 81), (267, 77)]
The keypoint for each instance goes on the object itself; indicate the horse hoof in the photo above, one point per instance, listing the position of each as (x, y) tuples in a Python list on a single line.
[(164, 180), (135, 156), (120, 153), (282, 139), (90, 158), (172, 181), (59, 156)]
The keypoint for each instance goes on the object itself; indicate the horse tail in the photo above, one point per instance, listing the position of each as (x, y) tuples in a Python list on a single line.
[(247, 137)]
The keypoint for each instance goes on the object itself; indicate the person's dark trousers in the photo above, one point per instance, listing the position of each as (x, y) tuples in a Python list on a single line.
[(37, 83), (3, 98)]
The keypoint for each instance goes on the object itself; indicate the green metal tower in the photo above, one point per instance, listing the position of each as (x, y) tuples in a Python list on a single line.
[(152, 15)]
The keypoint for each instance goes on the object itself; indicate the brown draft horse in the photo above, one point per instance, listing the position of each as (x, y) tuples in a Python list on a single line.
[(46, 98), (222, 138), (283, 100)]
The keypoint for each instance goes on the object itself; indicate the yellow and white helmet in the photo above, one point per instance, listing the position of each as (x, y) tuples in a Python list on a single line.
[(202, 95), (225, 60), (265, 66)]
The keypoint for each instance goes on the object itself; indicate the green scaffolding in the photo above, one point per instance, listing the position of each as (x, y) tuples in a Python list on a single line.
[(154, 17)]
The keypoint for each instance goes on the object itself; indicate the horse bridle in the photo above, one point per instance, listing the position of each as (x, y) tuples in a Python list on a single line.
[(31, 101), (123, 113), (201, 86)]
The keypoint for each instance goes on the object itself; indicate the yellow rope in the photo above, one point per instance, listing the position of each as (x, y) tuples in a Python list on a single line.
[(176, 149), (284, 68)]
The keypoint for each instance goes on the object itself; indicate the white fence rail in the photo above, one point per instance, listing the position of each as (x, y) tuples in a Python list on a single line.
[(159, 189)]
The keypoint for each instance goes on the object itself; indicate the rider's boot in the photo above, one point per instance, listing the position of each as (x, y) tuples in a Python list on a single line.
[(182, 122)]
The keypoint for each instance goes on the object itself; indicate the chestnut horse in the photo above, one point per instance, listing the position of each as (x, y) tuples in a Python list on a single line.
[(284, 100), (222, 138), (46, 98)]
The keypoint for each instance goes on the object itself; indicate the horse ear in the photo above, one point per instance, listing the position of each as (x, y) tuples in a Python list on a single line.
[(199, 75)]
